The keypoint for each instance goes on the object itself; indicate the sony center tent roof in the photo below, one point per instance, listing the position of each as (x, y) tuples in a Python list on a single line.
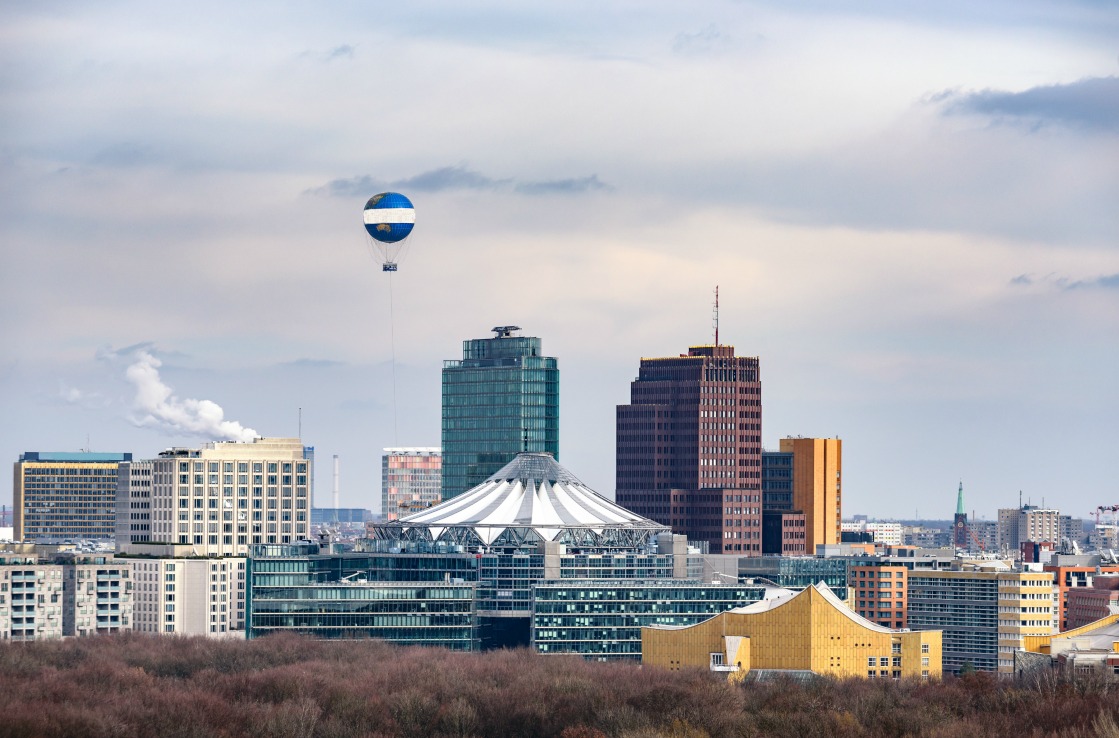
[(530, 492)]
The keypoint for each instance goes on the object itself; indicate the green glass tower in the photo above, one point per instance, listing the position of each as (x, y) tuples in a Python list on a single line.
[(500, 399)]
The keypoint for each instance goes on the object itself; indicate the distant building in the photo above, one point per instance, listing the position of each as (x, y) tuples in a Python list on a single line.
[(500, 399), (689, 447), (1028, 523), (887, 534), (984, 615), (411, 480), (783, 533), (1084, 650), (63, 495), (810, 631), (797, 572), (226, 496), (777, 480), (1071, 572), (342, 515), (817, 487)]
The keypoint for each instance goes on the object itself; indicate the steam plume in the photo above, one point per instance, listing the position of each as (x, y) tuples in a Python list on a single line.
[(156, 405)]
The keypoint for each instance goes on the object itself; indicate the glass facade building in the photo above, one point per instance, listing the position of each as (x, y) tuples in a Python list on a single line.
[(603, 619), (500, 399), (411, 480), (295, 588), (777, 480), (797, 572)]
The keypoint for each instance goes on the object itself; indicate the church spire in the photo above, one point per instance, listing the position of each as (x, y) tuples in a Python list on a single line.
[(960, 500)]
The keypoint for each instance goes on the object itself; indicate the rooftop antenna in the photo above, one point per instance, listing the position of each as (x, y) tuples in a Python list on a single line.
[(715, 315)]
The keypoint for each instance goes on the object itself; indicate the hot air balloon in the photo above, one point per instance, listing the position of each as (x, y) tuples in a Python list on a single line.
[(389, 218)]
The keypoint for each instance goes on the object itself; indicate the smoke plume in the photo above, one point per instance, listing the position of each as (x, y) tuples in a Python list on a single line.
[(156, 405)]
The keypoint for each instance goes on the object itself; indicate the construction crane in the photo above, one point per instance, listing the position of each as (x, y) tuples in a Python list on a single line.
[(976, 539), (1106, 508)]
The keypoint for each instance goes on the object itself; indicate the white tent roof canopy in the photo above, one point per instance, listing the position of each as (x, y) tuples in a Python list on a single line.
[(531, 491)]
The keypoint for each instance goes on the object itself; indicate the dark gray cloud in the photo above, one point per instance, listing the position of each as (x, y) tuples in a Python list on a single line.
[(456, 178), (1091, 103), (557, 186), (345, 51)]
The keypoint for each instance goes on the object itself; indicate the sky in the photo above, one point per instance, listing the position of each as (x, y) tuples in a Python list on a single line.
[(911, 211)]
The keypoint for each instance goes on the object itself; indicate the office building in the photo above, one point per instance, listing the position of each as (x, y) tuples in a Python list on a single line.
[(134, 501), (810, 631), (411, 480), (60, 495), (883, 533), (1086, 605), (176, 591), (777, 480), (1017, 525), (796, 572), (500, 399), (984, 614), (880, 591), (228, 495), (602, 619), (343, 516), (783, 533), (1072, 572), (689, 447), (817, 487)]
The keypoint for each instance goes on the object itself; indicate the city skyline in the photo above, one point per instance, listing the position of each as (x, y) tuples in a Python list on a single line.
[(909, 213)]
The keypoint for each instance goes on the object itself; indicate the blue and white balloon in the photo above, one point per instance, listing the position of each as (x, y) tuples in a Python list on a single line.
[(389, 218)]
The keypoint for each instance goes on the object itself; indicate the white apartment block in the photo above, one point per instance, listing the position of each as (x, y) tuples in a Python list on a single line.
[(187, 596), (888, 534), (83, 596), (226, 496)]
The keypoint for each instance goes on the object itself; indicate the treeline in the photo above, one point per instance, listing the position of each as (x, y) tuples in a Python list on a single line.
[(134, 685)]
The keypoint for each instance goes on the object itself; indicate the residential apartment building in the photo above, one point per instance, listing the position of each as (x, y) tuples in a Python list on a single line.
[(45, 594), (226, 496), (984, 615), (1017, 525), (177, 592), (689, 447), (500, 399), (65, 495), (411, 480)]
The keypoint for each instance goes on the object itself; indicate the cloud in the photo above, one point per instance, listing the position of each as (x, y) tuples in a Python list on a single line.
[(311, 364), (156, 406), (345, 51), (581, 184), (1103, 281), (704, 41), (125, 154), (1091, 103), (74, 396), (456, 178)]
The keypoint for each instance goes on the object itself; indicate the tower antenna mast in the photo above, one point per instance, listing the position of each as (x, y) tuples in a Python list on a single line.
[(715, 315)]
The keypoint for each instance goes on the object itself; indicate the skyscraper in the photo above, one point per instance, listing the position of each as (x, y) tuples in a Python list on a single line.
[(817, 487), (689, 447), (65, 495), (500, 399)]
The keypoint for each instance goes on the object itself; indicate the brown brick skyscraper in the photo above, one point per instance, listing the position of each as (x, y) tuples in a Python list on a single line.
[(689, 447)]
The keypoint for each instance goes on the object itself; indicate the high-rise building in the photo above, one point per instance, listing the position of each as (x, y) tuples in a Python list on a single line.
[(500, 399), (65, 495), (985, 615), (689, 447), (1017, 525), (228, 495), (777, 480), (817, 487), (411, 480)]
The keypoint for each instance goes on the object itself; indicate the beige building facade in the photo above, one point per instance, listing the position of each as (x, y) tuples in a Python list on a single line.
[(817, 487)]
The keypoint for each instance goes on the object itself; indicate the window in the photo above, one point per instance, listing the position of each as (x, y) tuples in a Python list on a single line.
[(871, 661), (895, 648), (924, 648), (717, 659)]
